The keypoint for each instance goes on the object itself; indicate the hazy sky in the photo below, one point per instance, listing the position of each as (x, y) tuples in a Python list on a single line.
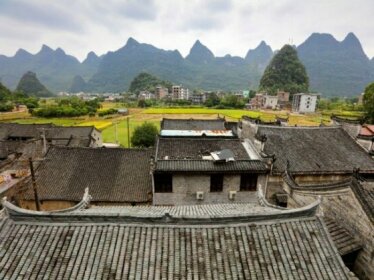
[(225, 26)]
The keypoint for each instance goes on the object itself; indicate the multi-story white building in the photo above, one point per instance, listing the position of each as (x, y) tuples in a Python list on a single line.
[(180, 93), (304, 102)]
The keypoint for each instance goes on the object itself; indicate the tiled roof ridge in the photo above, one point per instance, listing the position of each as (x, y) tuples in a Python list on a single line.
[(290, 181), (99, 149), (357, 189), (76, 214), (302, 127), (192, 119), (199, 139)]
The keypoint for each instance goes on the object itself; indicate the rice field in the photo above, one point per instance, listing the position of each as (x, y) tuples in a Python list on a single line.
[(110, 124), (118, 131)]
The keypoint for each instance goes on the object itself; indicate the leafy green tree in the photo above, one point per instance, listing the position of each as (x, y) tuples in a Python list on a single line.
[(285, 72), (5, 93), (144, 135), (368, 101), (232, 101), (212, 100)]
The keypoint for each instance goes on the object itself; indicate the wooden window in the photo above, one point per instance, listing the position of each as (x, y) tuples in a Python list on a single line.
[(248, 182), (163, 183), (216, 183)]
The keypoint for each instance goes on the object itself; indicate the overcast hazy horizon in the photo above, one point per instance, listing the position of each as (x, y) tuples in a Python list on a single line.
[(225, 27)]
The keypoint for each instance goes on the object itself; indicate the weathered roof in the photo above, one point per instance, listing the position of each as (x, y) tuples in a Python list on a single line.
[(193, 124), (65, 132), (192, 155), (243, 166), (81, 247), (192, 148), (15, 130), (364, 192), (115, 175), (343, 240), (196, 133), (8, 147), (314, 150), (63, 135)]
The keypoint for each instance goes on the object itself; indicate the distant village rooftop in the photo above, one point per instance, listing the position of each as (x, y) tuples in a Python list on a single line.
[(314, 150), (113, 175), (195, 128)]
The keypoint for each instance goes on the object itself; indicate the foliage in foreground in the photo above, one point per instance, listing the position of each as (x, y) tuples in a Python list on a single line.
[(144, 135), (8, 99), (69, 107), (369, 103)]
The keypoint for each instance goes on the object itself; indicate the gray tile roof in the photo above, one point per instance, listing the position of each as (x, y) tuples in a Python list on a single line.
[(193, 124), (186, 155), (65, 132), (115, 175), (193, 148), (314, 150), (364, 192), (278, 249), (184, 211), (15, 130), (63, 135), (242, 166), (343, 240)]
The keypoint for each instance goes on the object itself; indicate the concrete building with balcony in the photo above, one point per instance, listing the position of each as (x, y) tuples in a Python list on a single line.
[(304, 102)]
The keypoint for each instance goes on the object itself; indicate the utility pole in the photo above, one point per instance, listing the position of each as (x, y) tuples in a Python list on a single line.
[(44, 142), (128, 131), (116, 132), (36, 197)]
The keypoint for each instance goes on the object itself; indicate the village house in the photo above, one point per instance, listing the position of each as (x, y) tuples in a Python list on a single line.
[(114, 176), (284, 100), (161, 92), (236, 241), (313, 162), (197, 128), (82, 136), (257, 102), (270, 102), (146, 95), (362, 133), (206, 170), (366, 138)]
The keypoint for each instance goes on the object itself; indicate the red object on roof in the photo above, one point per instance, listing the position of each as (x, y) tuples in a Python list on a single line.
[(367, 130)]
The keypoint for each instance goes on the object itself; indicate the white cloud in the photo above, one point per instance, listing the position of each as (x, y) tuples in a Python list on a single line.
[(79, 26)]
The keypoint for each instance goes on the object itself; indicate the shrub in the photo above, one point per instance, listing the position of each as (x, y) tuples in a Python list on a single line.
[(144, 135)]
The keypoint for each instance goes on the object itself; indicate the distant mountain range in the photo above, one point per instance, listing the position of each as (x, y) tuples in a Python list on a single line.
[(334, 68)]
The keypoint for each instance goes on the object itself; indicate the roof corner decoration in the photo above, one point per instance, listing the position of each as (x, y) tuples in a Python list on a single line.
[(15, 211), (290, 185), (311, 208)]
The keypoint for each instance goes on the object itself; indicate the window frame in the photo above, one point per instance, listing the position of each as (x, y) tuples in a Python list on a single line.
[(216, 183), (163, 183), (248, 182)]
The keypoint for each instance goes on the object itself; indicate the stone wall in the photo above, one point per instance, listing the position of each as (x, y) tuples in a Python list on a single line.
[(347, 211), (248, 130), (343, 207), (186, 186)]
